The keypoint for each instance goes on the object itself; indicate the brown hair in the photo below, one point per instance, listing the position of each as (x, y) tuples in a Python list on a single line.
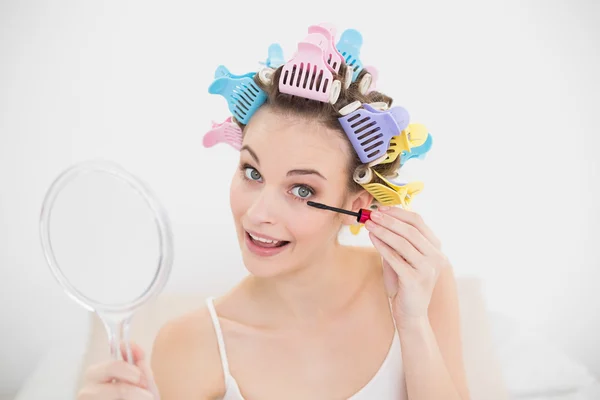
[(328, 115)]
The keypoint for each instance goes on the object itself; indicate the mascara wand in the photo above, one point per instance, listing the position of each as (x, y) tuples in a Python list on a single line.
[(362, 216)]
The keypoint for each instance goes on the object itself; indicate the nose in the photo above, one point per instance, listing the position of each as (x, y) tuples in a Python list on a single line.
[(263, 208)]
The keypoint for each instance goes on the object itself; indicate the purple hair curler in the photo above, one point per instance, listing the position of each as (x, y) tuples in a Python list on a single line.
[(371, 130)]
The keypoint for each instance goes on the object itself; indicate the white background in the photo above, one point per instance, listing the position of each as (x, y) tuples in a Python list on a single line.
[(509, 91)]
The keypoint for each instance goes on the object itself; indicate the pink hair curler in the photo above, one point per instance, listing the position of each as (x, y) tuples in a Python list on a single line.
[(332, 56), (225, 132), (308, 75)]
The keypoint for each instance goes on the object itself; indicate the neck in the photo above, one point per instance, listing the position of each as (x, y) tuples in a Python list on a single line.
[(312, 293)]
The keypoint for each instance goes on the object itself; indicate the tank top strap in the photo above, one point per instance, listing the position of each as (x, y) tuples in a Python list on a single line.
[(215, 320)]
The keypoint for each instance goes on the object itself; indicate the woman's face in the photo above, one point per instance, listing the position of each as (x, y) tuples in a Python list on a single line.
[(284, 162)]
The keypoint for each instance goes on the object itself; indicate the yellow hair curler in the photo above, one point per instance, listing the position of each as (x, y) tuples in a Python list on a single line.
[(355, 229), (390, 194), (413, 136)]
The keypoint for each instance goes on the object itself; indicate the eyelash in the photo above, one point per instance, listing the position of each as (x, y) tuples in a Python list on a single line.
[(243, 168)]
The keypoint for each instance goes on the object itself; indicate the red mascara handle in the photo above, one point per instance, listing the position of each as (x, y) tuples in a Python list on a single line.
[(363, 216)]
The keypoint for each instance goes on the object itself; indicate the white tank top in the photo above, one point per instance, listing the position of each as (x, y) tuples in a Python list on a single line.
[(387, 384)]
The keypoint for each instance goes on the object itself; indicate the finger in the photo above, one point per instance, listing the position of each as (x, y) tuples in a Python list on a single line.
[(136, 351), (400, 267), (401, 246), (414, 219), (109, 371), (128, 392), (114, 391), (140, 360), (406, 230), (143, 363)]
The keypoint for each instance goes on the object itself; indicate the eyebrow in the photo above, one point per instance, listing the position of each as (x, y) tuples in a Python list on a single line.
[(305, 172), (252, 153), (290, 173)]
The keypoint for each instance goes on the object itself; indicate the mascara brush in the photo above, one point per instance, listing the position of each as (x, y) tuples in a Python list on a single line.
[(361, 217)]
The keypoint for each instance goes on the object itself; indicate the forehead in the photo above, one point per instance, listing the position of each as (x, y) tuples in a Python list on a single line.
[(294, 142)]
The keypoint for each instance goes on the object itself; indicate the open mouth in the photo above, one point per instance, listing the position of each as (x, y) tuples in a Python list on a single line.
[(266, 243)]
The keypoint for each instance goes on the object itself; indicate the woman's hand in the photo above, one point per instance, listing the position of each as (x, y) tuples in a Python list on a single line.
[(412, 260), (133, 382)]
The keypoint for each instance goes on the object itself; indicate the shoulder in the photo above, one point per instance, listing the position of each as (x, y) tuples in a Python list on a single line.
[(185, 358)]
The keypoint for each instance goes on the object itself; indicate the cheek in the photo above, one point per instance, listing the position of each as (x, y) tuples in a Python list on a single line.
[(308, 224), (238, 197)]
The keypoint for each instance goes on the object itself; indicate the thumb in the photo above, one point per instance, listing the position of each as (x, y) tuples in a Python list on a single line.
[(141, 361)]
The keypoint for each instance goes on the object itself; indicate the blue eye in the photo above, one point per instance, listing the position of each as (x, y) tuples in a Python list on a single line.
[(252, 173), (303, 192)]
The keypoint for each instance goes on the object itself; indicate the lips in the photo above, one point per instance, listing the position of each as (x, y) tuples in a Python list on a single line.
[(263, 245), (265, 241)]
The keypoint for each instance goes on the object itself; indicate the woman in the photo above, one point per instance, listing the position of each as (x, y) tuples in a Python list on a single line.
[(314, 319)]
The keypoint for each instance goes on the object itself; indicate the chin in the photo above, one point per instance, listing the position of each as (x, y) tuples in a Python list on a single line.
[(268, 266), (261, 269)]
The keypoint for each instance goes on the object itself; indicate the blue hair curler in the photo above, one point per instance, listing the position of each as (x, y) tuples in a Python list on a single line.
[(243, 95), (275, 58), (349, 47), (418, 152)]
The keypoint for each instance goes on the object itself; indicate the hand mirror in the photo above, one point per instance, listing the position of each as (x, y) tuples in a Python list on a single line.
[(108, 243)]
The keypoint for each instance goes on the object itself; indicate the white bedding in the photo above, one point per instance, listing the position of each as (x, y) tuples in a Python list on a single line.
[(534, 368)]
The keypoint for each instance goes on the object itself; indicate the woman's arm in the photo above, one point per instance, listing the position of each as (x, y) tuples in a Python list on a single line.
[(420, 282), (432, 348)]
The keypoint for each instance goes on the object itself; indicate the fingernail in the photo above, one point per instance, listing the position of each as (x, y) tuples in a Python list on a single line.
[(383, 208), (375, 215), (369, 224)]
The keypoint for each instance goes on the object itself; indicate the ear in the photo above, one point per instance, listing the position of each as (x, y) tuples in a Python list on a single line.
[(362, 199)]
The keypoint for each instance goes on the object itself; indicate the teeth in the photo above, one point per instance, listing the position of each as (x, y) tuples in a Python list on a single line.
[(263, 240)]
